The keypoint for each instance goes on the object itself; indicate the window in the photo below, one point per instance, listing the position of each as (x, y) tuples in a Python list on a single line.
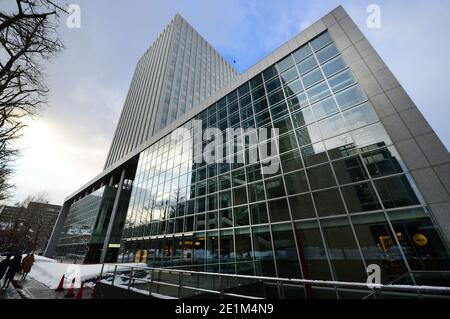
[(308, 135), (262, 245), (226, 218), (293, 88), (287, 143), (238, 177), (341, 81), (304, 117), (298, 102), (318, 92), (291, 161), (256, 192), (321, 41), (212, 202), (332, 126), (276, 97), (350, 97), (258, 213), (273, 84), (283, 125), (302, 53), (396, 192), (275, 187), (329, 203), (350, 170), (260, 105), (382, 162), (225, 199), (312, 78), (289, 75), (314, 154), (360, 116), (241, 216), (278, 210), (324, 108), (270, 72), (285, 64), (258, 93), (370, 137), (296, 183), (333, 66), (307, 65), (239, 196), (360, 198), (256, 81), (302, 207), (253, 173), (326, 53), (321, 177), (285, 251)]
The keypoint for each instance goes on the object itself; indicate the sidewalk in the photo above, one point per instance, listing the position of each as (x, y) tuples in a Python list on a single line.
[(32, 289)]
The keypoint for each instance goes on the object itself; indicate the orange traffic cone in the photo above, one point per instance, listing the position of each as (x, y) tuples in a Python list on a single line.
[(70, 293), (80, 292), (61, 284)]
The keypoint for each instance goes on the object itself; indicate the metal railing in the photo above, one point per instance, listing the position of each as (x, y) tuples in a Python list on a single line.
[(175, 283)]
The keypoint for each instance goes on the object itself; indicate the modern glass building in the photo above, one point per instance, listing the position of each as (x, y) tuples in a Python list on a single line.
[(362, 179)]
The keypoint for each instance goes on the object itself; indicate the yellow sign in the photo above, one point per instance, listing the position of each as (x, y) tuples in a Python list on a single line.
[(420, 240)]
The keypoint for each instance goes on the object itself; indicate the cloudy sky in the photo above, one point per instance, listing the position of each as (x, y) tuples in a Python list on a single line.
[(67, 145)]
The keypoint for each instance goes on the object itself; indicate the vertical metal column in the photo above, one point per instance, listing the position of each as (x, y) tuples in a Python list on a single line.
[(112, 218)]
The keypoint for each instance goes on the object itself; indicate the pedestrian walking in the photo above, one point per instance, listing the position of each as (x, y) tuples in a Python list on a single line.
[(27, 263), (14, 267), (4, 264)]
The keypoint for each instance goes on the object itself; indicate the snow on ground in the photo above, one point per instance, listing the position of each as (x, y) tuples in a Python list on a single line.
[(50, 273), (38, 258)]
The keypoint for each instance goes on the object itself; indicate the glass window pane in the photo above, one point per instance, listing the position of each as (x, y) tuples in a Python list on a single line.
[(321, 41), (258, 213), (276, 97), (382, 162), (225, 199), (302, 118), (256, 192), (329, 203), (341, 81), (239, 196), (226, 218), (241, 217), (321, 177), (278, 210), (312, 77), (270, 72), (310, 240), (308, 135), (285, 64), (360, 116), (318, 92), (307, 65), (287, 143), (256, 81), (296, 183), (350, 97), (273, 84), (360, 198), (343, 250), (275, 187), (302, 207), (334, 66), (263, 254), (350, 170), (289, 75), (302, 53), (285, 251), (324, 108), (293, 88), (396, 192), (291, 161), (371, 137), (298, 102), (332, 126), (326, 53), (314, 154), (378, 245)]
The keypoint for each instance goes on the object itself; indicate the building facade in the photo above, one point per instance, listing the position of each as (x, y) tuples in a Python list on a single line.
[(361, 178), (27, 228)]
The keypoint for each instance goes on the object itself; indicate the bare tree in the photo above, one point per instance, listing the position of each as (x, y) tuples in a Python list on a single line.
[(28, 38)]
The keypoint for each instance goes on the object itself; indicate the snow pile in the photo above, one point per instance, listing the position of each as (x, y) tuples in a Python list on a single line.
[(38, 258), (50, 273)]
